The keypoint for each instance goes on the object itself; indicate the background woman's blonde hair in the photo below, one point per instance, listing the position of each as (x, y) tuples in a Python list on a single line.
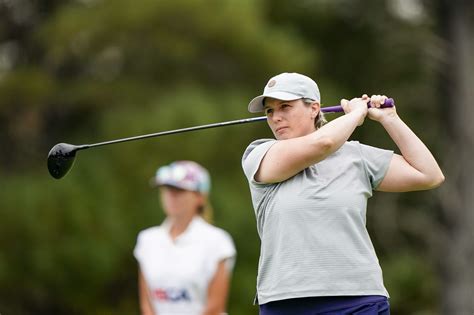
[(206, 211)]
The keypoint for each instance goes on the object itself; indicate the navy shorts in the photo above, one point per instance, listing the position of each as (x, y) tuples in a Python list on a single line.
[(333, 305)]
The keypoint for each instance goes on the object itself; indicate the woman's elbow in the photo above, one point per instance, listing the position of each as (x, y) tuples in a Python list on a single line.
[(440, 179), (325, 146), (435, 180)]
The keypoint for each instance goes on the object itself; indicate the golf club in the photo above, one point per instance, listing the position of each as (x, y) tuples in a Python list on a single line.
[(61, 157)]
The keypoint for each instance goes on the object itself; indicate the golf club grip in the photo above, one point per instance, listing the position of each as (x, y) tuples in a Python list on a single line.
[(389, 102)]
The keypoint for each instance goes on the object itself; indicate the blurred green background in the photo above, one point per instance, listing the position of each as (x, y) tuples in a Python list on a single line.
[(87, 71)]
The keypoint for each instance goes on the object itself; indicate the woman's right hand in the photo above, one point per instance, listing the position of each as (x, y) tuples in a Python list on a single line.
[(357, 104)]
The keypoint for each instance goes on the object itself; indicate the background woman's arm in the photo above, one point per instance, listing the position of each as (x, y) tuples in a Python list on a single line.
[(144, 296), (218, 290)]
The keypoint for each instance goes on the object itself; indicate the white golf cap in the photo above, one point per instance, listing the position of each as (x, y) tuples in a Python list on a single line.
[(286, 87)]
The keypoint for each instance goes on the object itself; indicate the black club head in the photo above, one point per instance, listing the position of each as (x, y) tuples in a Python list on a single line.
[(60, 159)]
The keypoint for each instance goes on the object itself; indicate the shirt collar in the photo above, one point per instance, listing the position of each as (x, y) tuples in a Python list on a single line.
[(190, 231)]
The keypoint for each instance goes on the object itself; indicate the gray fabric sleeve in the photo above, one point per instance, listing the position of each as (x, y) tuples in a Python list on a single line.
[(253, 157), (376, 163)]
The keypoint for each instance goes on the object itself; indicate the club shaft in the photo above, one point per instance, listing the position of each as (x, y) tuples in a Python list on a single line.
[(170, 132), (333, 109)]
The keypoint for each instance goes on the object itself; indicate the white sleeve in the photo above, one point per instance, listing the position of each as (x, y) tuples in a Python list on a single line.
[(145, 238), (138, 250), (222, 249), (227, 251)]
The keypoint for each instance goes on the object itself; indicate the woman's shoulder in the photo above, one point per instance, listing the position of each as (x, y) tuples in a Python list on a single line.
[(150, 232), (211, 231), (352, 146), (258, 142), (361, 148), (255, 144)]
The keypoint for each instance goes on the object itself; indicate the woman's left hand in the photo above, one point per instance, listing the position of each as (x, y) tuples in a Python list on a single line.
[(376, 112)]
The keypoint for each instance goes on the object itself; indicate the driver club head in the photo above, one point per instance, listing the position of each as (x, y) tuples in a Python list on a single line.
[(61, 158)]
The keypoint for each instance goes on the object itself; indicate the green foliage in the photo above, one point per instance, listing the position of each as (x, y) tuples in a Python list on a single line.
[(411, 279)]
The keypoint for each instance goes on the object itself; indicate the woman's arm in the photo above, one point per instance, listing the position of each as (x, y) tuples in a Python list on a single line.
[(288, 157), (144, 296), (415, 168), (218, 290)]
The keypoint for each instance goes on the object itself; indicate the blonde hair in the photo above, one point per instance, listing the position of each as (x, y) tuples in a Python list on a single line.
[(205, 209), (320, 120), (206, 212)]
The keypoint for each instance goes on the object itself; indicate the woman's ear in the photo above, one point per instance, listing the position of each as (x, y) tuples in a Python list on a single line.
[(315, 108)]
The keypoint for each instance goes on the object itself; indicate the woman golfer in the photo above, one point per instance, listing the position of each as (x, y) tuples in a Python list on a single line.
[(309, 190), (185, 263)]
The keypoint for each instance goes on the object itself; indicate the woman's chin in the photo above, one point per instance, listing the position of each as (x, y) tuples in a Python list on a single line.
[(282, 136)]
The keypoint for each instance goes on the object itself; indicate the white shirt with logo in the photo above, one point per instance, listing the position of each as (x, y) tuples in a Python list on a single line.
[(178, 272)]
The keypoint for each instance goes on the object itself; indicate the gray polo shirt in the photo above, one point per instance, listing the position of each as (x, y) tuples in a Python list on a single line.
[(314, 240)]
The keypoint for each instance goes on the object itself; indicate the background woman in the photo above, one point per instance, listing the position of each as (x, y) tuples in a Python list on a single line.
[(185, 263)]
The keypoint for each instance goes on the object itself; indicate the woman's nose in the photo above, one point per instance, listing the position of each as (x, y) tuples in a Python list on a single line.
[(276, 116)]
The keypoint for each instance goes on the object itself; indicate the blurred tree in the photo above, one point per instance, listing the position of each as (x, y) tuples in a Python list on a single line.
[(455, 232), (24, 89)]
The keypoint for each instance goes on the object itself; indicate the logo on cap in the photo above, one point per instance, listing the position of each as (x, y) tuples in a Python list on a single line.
[(271, 83)]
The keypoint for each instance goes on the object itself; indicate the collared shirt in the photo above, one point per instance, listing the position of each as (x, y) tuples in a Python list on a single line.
[(178, 271), (314, 241)]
